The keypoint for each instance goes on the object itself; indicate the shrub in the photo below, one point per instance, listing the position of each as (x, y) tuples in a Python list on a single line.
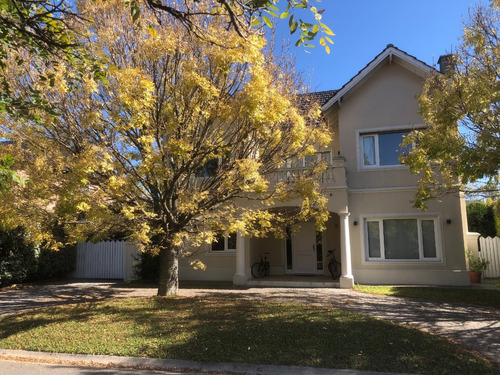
[(21, 260), (56, 264), (481, 218), (18, 257), (148, 267), (496, 214), (478, 264)]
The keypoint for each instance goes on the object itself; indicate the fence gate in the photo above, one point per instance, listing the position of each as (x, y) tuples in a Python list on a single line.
[(490, 250), (102, 260)]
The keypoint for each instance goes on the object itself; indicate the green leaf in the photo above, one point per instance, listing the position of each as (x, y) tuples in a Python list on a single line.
[(315, 29), (298, 43), (255, 22), (293, 28), (284, 15), (134, 11), (290, 21), (267, 21)]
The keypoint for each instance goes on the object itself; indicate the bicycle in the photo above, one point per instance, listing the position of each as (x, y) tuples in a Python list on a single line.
[(262, 268), (334, 266)]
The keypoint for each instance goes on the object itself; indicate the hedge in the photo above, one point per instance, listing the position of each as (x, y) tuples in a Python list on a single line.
[(21, 260)]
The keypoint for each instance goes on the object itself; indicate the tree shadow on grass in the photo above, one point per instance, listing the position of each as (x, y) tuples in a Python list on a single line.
[(242, 331)]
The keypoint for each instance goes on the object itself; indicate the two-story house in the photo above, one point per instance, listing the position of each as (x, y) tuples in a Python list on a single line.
[(378, 236)]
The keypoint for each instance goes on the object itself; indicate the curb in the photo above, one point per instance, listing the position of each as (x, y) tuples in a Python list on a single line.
[(171, 364)]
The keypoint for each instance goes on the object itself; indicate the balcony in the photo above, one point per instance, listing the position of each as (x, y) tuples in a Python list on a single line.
[(333, 176)]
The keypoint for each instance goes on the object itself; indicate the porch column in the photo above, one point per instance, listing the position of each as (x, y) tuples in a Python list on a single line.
[(240, 278), (346, 280)]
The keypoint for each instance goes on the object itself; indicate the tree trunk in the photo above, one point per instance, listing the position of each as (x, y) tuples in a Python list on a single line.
[(169, 271)]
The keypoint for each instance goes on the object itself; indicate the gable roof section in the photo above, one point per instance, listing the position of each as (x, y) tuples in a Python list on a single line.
[(390, 54), (320, 97)]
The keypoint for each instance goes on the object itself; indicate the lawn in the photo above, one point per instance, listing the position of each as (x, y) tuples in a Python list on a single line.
[(480, 297), (239, 331)]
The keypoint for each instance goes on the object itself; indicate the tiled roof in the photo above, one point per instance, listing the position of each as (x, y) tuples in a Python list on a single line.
[(320, 97)]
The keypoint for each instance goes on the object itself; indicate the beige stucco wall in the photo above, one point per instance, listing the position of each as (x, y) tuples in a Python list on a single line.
[(387, 100), (448, 270), (220, 266)]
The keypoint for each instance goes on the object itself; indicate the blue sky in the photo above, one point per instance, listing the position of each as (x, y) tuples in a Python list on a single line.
[(425, 29)]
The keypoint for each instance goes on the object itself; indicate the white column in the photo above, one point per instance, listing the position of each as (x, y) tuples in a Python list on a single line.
[(240, 278), (346, 280)]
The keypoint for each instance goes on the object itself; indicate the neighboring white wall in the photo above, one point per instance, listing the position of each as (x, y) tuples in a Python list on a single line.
[(106, 260)]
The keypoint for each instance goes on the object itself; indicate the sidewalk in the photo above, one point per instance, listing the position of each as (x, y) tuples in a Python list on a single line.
[(173, 366)]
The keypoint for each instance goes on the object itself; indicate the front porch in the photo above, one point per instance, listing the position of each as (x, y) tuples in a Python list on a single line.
[(295, 281), (300, 259)]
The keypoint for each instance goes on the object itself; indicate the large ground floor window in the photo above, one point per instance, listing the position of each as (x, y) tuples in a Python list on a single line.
[(402, 238)]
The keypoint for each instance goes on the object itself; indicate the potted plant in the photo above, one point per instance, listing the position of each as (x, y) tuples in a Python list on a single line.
[(476, 267)]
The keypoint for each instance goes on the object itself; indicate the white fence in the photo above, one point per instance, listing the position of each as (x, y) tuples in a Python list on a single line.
[(490, 250), (106, 260)]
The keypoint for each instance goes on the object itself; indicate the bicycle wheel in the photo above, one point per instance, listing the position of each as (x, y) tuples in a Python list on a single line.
[(330, 268), (335, 270), (267, 268), (258, 270)]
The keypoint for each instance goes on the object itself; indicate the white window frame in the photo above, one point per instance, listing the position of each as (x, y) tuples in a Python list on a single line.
[(436, 218), (360, 133), (226, 246)]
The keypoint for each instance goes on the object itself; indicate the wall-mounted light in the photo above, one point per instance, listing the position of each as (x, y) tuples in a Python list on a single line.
[(448, 221)]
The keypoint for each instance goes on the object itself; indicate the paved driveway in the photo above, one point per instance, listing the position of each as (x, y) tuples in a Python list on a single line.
[(475, 327)]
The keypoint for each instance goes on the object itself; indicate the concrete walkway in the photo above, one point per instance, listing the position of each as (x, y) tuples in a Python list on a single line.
[(475, 327)]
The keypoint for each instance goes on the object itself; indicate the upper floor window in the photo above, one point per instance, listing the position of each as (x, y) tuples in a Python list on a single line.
[(382, 149), (224, 243)]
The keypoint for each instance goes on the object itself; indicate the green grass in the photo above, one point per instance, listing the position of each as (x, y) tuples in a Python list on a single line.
[(240, 331), (480, 297), (494, 282)]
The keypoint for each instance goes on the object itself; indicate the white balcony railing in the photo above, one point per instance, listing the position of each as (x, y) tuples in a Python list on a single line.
[(333, 175)]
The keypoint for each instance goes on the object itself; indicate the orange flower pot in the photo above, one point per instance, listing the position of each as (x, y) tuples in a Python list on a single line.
[(475, 277)]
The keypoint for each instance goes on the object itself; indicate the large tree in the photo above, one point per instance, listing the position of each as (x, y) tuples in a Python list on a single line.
[(44, 27), (462, 106), (182, 143)]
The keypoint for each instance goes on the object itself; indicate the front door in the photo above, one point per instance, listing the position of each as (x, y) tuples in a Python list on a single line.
[(304, 249)]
